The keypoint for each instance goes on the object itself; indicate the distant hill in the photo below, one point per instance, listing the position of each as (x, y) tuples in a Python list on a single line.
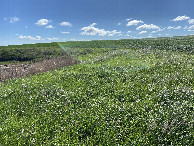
[(30, 52)]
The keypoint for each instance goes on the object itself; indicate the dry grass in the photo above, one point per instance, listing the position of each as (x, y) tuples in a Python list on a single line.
[(22, 70)]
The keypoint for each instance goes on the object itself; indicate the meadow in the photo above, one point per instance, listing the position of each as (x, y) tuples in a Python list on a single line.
[(122, 92)]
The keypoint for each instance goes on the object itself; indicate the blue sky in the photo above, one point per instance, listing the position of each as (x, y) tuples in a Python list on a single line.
[(38, 21)]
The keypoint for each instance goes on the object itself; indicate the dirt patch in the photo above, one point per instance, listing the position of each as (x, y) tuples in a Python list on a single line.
[(22, 70)]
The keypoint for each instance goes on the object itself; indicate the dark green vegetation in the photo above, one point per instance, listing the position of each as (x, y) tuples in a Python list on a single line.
[(133, 92), (29, 52), (184, 44)]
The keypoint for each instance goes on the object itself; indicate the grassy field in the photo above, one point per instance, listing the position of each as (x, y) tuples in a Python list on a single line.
[(125, 92)]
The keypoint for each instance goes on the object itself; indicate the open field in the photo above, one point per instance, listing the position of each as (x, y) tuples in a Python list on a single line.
[(124, 92)]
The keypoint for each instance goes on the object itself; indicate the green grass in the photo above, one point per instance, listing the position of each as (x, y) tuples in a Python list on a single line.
[(115, 96)]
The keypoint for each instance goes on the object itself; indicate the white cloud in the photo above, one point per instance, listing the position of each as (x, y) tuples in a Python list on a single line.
[(134, 22), (63, 32), (42, 22), (142, 32), (12, 19), (65, 24), (154, 31), (186, 27), (49, 26), (37, 38), (112, 33), (73, 39), (181, 18), (127, 35), (191, 27), (159, 30), (92, 30), (119, 23), (145, 26), (128, 31), (52, 39), (128, 19), (191, 21), (170, 27), (178, 27)]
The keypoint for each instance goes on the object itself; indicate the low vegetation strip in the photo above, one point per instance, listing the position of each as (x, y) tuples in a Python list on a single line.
[(21, 70), (29, 53)]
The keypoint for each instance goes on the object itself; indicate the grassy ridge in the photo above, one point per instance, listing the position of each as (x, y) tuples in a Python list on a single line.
[(182, 43), (116, 95)]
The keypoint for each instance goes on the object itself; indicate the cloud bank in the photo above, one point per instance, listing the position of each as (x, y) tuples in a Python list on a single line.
[(92, 30), (42, 22)]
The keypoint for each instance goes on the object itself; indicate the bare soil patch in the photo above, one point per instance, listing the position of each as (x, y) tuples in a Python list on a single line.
[(22, 70)]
